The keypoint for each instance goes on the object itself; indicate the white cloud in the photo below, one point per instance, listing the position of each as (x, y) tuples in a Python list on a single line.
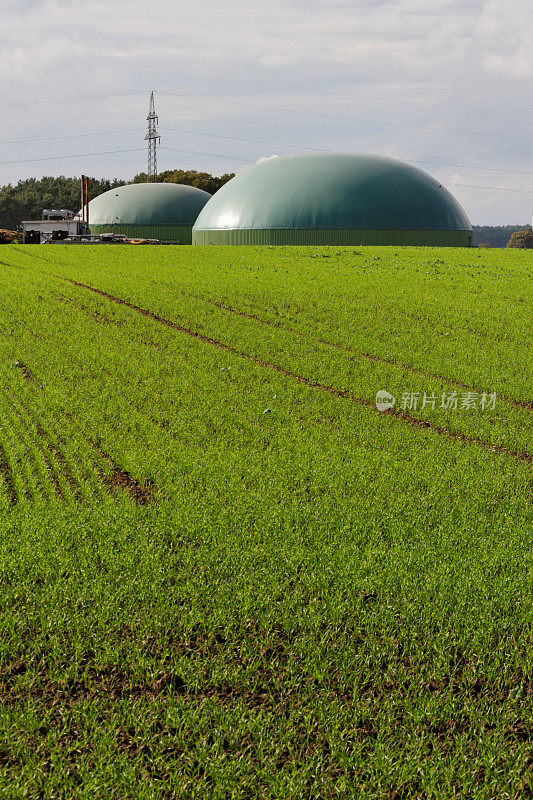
[(505, 38)]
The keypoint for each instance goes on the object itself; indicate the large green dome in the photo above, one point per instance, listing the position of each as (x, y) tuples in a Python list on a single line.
[(333, 198), (165, 211)]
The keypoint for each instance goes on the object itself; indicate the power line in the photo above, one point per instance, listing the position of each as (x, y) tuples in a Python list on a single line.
[(76, 155), (71, 136), (213, 155), (255, 141), (241, 139), (497, 188), (254, 161), (231, 157), (129, 150), (469, 166), (70, 99), (351, 119), (272, 108), (323, 150)]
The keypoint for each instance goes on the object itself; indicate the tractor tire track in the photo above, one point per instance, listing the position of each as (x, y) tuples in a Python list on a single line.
[(55, 444), (140, 493), (402, 416), (7, 478), (118, 478), (369, 356), (21, 476), (42, 466), (53, 449), (64, 465)]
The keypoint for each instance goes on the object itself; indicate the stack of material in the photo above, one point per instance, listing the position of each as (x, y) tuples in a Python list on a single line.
[(522, 239), (7, 237)]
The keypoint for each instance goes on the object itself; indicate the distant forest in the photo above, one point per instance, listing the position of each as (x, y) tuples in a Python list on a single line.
[(28, 198), (495, 235), (202, 180)]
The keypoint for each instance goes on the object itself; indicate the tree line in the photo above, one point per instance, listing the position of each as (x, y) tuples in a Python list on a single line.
[(28, 198), (201, 180), (494, 235)]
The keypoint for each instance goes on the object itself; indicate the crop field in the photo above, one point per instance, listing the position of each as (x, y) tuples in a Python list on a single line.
[(224, 572)]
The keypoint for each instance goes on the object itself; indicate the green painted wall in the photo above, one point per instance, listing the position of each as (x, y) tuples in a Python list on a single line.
[(291, 236), (170, 234)]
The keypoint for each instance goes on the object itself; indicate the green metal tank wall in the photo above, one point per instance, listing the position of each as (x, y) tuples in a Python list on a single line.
[(165, 211), (168, 234), (333, 199)]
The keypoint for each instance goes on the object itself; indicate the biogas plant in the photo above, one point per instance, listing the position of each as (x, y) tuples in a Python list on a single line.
[(324, 199), (333, 199), (316, 199)]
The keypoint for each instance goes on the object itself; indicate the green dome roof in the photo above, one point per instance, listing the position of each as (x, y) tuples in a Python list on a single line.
[(332, 191), (148, 204)]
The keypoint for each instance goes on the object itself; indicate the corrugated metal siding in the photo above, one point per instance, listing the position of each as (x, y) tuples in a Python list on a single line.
[(291, 236), (170, 234)]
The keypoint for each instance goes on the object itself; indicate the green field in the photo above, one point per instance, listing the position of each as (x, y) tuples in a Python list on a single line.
[(225, 573)]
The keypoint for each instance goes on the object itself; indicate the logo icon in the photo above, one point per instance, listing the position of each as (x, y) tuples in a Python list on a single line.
[(384, 400)]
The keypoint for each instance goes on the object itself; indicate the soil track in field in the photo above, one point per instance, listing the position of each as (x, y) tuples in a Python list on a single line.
[(140, 493), (359, 353), (65, 466), (520, 456), (54, 480), (52, 448), (7, 476), (48, 463), (26, 371), (325, 342)]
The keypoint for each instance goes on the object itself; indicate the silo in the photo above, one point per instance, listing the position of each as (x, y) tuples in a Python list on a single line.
[(165, 211), (333, 199)]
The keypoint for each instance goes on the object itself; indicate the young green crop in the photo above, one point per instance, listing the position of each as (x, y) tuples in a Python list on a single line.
[(224, 572)]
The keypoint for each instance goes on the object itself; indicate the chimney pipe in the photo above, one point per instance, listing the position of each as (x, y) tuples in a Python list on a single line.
[(82, 182), (87, 199)]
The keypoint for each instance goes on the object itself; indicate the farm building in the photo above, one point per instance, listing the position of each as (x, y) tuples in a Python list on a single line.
[(165, 211), (333, 199)]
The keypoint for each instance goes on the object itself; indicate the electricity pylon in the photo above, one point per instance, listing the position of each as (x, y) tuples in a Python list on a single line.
[(153, 139)]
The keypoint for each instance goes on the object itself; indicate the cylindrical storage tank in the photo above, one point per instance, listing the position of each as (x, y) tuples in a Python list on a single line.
[(165, 211), (333, 199)]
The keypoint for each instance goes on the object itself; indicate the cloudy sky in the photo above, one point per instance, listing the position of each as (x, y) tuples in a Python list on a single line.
[(419, 80)]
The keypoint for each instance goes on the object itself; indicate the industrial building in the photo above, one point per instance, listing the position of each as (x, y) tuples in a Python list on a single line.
[(55, 226), (333, 199), (164, 211)]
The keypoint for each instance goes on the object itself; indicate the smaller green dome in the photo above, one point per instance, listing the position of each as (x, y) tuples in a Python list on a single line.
[(148, 204)]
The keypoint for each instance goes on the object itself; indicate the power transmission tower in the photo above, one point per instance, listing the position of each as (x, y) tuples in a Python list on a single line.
[(153, 139)]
